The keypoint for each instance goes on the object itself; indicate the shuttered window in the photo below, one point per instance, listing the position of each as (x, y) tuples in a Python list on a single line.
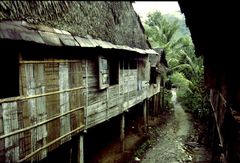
[(104, 80), (108, 72)]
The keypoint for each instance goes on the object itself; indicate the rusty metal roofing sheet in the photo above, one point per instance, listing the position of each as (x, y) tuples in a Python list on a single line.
[(50, 38), (32, 36), (94, 42), (45, 28), (151, 51), (13, 26), (118, 47), (127, 48), (28, 26), (58, 31), (68, 40), (84, 42), (66, 32), (102, 44), (139, 50), (10, 34), (12, 30), (111, 45), (21, 30)]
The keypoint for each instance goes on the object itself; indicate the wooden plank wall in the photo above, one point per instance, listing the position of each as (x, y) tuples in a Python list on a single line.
[(112, 101), (48, 112), (153, 89), (96, 99)]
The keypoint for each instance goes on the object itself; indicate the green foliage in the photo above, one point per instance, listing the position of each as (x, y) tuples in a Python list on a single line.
[(185, 70), (159, 31), (181, 82)]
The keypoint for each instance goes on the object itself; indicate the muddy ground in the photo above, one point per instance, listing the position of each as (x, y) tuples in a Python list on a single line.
[(173, 136), (177, 140)]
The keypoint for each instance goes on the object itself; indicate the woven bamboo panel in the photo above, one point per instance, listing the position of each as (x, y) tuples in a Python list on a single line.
[(48, 112)]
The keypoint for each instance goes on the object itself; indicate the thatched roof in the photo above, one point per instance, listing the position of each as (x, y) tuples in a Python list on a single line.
[(115, 22)]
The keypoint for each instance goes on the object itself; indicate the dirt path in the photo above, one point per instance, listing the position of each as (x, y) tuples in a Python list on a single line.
[(172, 145)]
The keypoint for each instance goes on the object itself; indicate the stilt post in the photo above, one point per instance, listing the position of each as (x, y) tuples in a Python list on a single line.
[(122, 134)]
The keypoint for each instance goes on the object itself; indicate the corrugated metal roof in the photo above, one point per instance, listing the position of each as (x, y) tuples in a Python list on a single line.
[(84, 42), (32, 36), (10, 34), (50, 38), (68, 40), (151, 51), (21, 30)]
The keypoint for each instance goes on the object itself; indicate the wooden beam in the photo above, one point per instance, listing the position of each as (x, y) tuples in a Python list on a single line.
[(80, 150), (107, 103), (163, 91), (158, 105), (128, 82), (145, 114), (159, 102), (155, 104), (122, 133), (86, 96)]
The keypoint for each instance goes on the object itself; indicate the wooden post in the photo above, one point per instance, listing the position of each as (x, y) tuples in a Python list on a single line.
[(160, 99), (163, 89), (147, 109), (107, 117), (122, 134), (156, 106), (145, 114), (77, 155), (214, 138), (158, 103), (86, 96), (81, 154)]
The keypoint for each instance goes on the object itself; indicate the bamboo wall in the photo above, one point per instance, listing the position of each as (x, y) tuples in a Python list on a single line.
[(48, 112)]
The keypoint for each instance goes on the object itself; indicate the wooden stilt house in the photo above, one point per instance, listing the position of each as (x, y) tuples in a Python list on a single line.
[(58, 83)]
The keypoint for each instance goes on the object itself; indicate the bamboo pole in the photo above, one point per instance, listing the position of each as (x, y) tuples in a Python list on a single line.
[(51, 143), (223, 99), (39, 124), (48, 61), (12, 99), (216, 120)]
